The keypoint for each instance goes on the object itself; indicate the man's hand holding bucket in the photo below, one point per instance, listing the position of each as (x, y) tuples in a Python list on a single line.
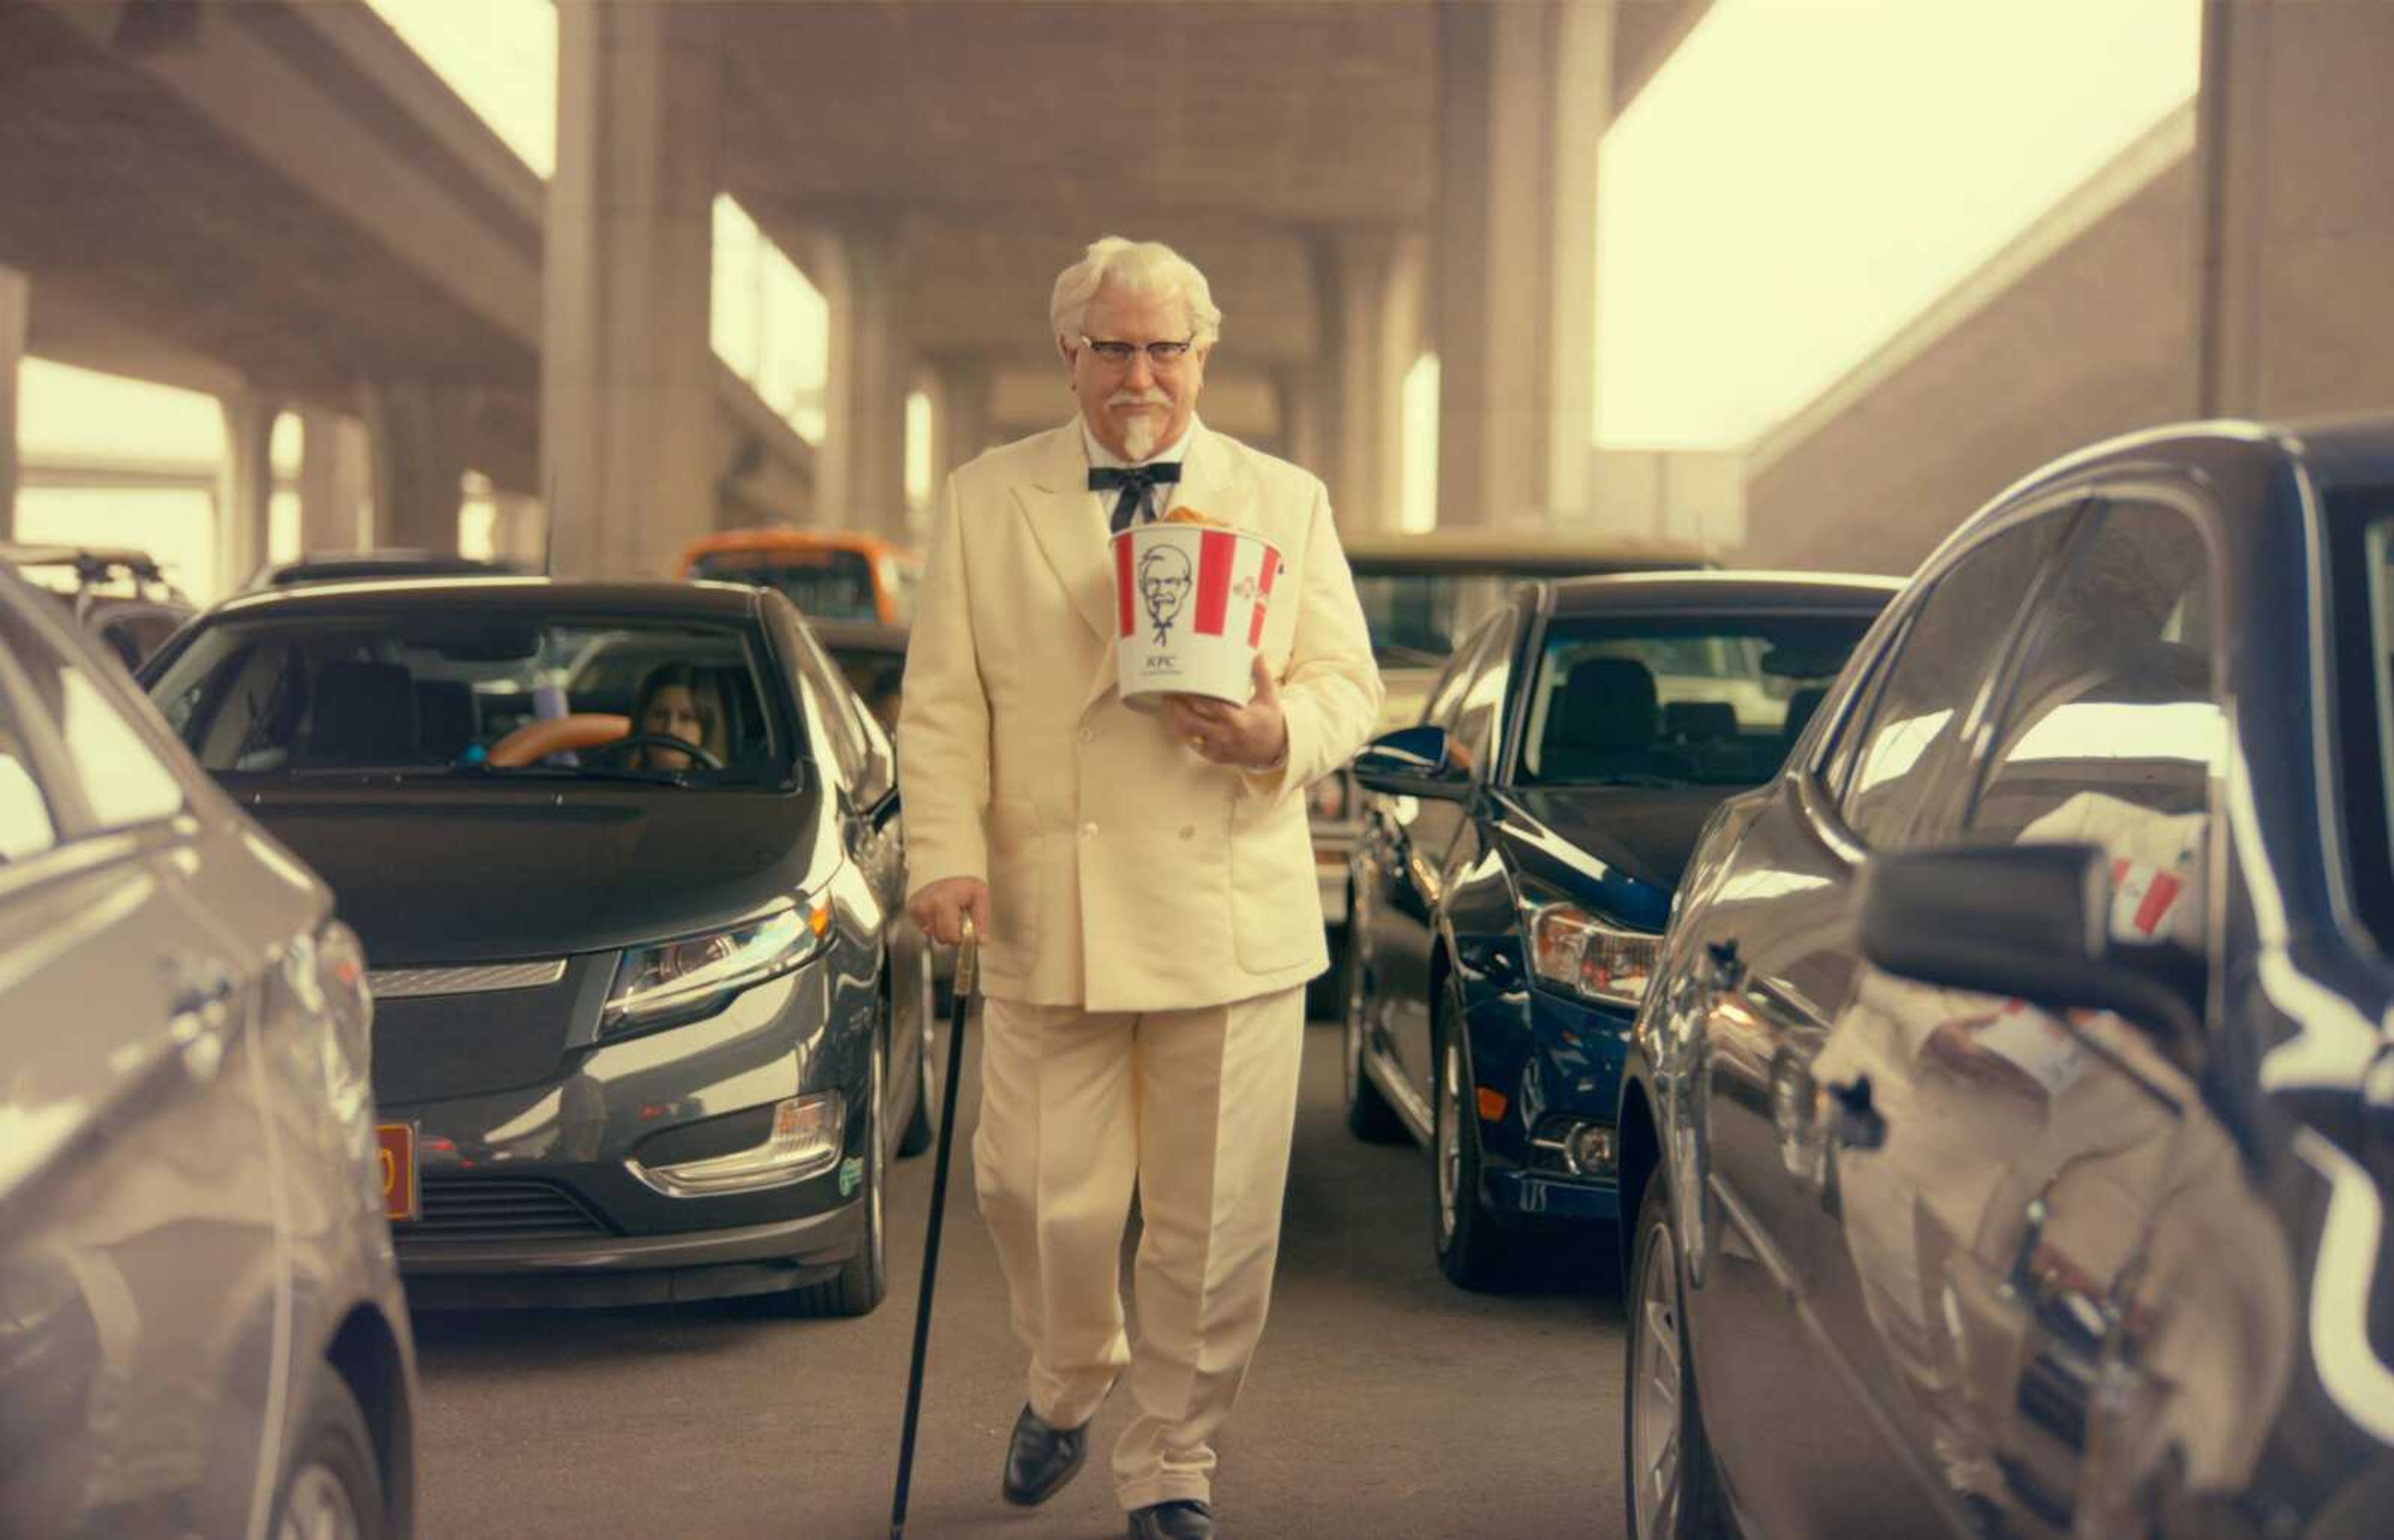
[(1254, 736)]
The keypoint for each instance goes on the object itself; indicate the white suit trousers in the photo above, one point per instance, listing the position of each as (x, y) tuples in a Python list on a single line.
[(1197, 1107)]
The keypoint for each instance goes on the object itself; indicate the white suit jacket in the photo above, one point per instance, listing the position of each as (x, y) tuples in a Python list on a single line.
[(1126, 871)]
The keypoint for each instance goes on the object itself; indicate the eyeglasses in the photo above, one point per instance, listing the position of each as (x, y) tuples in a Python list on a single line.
[(1160, 356)]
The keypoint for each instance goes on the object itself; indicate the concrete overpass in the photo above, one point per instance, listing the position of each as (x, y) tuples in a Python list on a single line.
[(2230, 263), (279, 202)]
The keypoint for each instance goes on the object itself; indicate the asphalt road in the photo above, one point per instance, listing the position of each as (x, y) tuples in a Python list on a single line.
[(1385, 1402)]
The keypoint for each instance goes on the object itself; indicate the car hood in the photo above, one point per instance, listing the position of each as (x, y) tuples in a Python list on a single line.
[(434, 876), (1600, 833)]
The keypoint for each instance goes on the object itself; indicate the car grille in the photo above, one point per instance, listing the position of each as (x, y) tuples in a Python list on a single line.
[(494, 1211)]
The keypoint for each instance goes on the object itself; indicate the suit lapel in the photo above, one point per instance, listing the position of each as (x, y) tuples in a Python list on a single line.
[(1072, 543)]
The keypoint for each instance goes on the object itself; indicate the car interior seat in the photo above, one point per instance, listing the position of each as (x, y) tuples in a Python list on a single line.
[(365, 715), (1606, 723), (444, 718)]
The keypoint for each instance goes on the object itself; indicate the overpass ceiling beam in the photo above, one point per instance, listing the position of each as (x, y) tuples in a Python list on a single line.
[(292, 119)]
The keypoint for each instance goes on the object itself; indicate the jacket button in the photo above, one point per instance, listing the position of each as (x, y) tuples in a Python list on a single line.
[(1088, 736), (1189, 831)]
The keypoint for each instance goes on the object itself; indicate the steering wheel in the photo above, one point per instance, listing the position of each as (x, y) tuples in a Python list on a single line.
[(663, 740)]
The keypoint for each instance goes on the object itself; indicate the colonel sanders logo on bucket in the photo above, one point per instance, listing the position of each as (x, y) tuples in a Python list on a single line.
[(1204, 591)]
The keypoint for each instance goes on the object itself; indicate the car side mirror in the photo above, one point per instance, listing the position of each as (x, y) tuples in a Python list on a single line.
[(1413, 761), (2025, 921)]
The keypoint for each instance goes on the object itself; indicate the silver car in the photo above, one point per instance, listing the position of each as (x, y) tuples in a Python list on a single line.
[(200, 1327)]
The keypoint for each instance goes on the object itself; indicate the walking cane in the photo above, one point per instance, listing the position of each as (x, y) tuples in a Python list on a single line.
[(968, 972)]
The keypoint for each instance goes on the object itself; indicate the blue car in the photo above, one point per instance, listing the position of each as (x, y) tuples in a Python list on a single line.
[(1517, 869)]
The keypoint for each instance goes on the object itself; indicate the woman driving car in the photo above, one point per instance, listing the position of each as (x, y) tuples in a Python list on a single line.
[(680, 701)]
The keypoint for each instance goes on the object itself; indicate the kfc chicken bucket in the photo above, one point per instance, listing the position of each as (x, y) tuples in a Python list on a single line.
[(1190, 600)]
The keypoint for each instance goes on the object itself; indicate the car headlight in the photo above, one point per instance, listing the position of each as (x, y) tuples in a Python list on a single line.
[(1573, 950), (685, 978)]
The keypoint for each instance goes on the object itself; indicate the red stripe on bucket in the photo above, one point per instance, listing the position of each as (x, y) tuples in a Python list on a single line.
[(2157, 898), (1126, 620), (1217, 550), (1263, 592)]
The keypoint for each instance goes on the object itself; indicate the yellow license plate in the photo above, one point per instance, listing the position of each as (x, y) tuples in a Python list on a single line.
[(398, 1189)]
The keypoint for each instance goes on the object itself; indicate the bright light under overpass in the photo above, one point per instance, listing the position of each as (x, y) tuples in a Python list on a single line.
[(1805, 176)]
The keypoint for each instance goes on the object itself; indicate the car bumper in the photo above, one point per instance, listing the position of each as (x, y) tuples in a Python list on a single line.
[(549, 1191), (1556, 1062)]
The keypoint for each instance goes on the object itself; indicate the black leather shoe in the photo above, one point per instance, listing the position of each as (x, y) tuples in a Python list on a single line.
[(1181, 1521), (1040, 1459)]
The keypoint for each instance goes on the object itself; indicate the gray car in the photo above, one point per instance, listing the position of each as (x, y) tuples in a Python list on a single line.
[(201, 1325)]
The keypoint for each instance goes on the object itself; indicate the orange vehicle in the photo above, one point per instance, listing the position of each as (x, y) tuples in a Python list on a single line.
[(829, 574)]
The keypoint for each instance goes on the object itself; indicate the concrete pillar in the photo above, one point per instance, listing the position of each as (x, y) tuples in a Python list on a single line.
[(1525, 94), (2296, 232), (1309, 414), (1370, 288), (335, 470), (419, 434), (15, 305), (862, 486), (960, 414), (627, 385), (244, 488)]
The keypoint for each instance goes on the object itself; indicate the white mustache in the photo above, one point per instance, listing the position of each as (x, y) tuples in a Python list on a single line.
[(1138, 397)]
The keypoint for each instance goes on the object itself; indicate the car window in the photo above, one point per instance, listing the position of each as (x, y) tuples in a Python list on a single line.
[(824, 583), (1906, 742), (1445, 703), (1710, 700), (436, 693), (1483, 704), (834, 701), (26, 827), (2112, 711), (121, 778)]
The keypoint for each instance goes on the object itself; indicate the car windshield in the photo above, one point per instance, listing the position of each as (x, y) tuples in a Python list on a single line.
[(1710, 700), (1416, 617), (442, 695), (824, 583)]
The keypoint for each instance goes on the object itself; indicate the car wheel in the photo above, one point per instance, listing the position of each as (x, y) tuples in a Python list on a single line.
[(1474, 1250), (865, 1278), (332, 1487), (921, 1124), (1671, 1488), (1369, 1116)]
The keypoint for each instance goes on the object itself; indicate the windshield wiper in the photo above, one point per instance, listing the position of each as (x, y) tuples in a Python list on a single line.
[(1627, 778), (578, 772)]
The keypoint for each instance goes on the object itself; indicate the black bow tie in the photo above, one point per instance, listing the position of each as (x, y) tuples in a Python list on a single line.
[(1134, 481)]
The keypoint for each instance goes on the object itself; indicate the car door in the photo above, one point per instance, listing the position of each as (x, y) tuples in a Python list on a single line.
[(1783, 955), (860, 769), (2051, 1192), (1424, 835), (142, 1244)]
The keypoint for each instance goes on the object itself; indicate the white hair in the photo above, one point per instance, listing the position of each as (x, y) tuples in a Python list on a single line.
[(1136, 267)]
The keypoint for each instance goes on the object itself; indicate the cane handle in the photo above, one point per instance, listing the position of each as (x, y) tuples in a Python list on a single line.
[(968, 960)]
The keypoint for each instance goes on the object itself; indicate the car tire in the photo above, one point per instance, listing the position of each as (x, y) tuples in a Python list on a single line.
[(922, 1126), (1669, 1485), (1476, 1249), (863, 1278), (1369, 1116), (331, 1489)]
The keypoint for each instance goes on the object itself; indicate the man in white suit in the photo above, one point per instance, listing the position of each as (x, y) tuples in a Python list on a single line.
[(1142, 883)]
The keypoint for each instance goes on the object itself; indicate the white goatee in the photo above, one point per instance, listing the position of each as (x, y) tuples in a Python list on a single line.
[(1138, 438)]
